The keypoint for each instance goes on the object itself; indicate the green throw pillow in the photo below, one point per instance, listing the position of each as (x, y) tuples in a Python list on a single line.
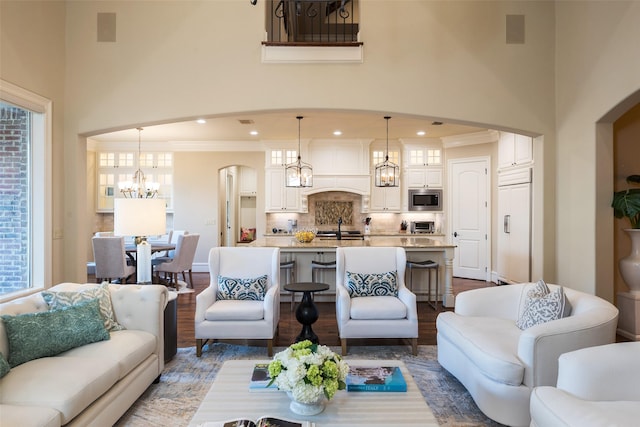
[(4, 366), (47, 333), (61, 299)]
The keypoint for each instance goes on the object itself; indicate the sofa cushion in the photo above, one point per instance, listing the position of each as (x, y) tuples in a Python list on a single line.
[(491, 344), (4, 366), (372, 284), (382, 308), (29, 416), (35, 335), (543, 305), (128, 348), (61, 299), (252, 289), (66, 384), (235, 310)]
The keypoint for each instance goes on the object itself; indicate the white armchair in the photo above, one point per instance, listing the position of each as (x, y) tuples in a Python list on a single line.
[(597, 386), (239, 318), (374, 316)]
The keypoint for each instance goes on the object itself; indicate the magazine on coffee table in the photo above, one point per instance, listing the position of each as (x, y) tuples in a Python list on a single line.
[(375, 378), (260, 378), (260, 422)]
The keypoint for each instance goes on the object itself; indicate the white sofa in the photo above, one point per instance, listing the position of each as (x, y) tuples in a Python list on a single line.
[(90, 385), (498, 363), (597, 386)]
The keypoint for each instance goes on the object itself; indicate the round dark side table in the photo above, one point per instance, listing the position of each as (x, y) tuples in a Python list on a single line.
[(307, 312)]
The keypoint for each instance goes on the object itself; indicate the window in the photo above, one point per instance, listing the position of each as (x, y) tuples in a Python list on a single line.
[(25, 193)]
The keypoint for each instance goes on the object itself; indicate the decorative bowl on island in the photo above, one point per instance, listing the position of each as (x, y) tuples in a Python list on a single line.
[(305, 236)]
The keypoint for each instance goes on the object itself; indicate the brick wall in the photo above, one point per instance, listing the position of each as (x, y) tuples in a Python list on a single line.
[(14, 198)]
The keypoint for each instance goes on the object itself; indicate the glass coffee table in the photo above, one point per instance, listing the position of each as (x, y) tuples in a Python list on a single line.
[(307, 312)]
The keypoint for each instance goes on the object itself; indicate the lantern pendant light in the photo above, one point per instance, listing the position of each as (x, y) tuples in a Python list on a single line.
[(298, 174), (387, 174)]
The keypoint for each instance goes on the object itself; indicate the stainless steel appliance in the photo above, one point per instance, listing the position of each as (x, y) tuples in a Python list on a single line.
[(425, 199), (423, 227)]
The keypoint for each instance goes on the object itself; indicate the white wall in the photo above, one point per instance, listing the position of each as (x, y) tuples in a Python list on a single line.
[(176, 60), (442, 59), (598, 68)]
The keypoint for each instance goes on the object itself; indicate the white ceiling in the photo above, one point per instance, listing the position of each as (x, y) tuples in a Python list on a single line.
[(284, 126)]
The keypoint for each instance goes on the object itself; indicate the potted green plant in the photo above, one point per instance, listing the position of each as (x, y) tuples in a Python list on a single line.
[(626, 204)]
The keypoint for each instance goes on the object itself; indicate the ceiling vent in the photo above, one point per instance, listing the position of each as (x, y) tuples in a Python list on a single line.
[(246, 121)]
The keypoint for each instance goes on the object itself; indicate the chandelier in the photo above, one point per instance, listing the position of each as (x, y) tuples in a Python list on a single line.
[(387, 174), (139, 188), (298, 173)]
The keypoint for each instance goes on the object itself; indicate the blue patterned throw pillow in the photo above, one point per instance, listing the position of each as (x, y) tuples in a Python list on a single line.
[(543, 305), (372, 284), (47, 333), (61, 299), (242, 289)]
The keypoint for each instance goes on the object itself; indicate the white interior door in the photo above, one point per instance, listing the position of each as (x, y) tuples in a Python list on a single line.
[(469, 211)]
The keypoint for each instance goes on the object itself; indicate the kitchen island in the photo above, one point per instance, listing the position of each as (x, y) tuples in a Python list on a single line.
[(324, 250)]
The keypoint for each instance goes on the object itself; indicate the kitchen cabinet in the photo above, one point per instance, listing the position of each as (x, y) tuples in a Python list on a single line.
[(279, 198), (423, 165), (248, 181), (514, 150), (385, 199), (514, 227), (280, 156), (423, 156), (114, 167), (424, 177)]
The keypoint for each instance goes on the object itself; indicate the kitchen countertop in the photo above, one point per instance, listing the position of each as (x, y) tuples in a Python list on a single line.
[(406, 241)]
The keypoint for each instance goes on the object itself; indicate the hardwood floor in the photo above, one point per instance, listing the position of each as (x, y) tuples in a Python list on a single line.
[(326, 327)]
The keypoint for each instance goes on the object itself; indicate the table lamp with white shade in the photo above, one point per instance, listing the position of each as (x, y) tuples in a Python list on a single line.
[(140, 217)]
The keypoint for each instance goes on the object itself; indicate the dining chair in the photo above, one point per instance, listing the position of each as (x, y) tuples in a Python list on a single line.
[(111, 259), (172, 239), (181, 262)]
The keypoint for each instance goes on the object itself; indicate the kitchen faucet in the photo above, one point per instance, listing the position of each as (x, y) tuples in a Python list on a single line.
[(339, 235)]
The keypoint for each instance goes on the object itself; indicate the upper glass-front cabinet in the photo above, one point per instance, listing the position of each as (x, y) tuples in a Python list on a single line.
[(115, 167)]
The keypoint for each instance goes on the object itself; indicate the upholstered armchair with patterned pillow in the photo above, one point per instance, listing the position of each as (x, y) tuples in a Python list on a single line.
[(502, 341), (372, 300), (243, 298)]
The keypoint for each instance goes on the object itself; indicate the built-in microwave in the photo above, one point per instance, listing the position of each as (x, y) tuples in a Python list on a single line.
[(425, 199)]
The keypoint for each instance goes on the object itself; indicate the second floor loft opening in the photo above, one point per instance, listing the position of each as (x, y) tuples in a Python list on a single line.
[(309, 22)]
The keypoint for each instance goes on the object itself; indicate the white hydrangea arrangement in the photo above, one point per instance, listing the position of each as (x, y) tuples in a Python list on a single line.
[(308, 371)]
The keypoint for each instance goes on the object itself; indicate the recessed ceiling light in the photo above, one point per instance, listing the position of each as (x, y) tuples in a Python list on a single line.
[(421, 133), (201, 121), (254, 132), (337, 132)]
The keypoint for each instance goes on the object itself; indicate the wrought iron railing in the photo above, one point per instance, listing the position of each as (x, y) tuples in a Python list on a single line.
[(311, 22)]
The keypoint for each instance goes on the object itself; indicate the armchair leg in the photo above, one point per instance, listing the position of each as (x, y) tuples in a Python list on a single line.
[(343, 343), (414, 346), (199, 344), (270, 347)]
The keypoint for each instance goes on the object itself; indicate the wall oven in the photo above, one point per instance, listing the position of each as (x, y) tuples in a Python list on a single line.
[(425, 199)]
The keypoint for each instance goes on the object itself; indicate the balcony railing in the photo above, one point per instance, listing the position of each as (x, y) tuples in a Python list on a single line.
[(308, 22)]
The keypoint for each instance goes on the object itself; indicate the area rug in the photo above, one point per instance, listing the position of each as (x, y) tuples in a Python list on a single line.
[(187, 379)]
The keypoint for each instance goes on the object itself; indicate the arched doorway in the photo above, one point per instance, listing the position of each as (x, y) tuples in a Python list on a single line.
[(238, 211)]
